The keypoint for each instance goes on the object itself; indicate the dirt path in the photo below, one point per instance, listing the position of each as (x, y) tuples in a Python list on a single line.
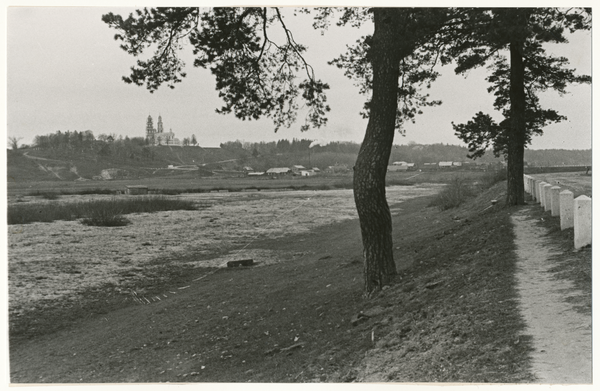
[(44, 168), (26, 154), (562, 337)]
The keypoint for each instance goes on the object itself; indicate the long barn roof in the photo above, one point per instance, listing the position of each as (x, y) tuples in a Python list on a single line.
[(278, 170)]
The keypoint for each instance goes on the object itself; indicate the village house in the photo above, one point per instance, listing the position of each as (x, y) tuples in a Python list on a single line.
[(279, 171), (402, 166), (306, 173), (397, 167), (297, 168)]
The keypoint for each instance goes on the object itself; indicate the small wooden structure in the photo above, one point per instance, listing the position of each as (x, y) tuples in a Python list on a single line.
[(137, 190), (241, 262)]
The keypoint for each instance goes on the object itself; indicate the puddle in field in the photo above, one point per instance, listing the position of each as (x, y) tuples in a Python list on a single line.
[(48, 261)]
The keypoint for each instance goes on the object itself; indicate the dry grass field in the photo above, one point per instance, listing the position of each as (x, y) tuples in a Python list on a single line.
[(58, 260)]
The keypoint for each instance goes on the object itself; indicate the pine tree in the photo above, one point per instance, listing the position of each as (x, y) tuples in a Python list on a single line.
[(480, 35)]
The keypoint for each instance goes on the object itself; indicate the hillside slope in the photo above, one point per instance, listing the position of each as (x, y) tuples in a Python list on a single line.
[(131, 161), (42, 165)]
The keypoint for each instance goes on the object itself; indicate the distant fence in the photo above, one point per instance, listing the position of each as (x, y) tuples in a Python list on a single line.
[(548, 169), (576, 213)]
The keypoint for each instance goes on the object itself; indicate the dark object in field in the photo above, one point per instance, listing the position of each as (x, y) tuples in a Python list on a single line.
[(242, 262), (359, 318), (432, 285), (271, 352), (137, 190)]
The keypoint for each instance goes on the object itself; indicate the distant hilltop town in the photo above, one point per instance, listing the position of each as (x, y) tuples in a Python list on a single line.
[(157, 136)]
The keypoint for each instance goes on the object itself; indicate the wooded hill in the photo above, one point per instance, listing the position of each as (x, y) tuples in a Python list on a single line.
[(79, 155)]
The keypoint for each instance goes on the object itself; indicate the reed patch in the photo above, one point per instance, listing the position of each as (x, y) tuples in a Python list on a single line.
[(94, 212)]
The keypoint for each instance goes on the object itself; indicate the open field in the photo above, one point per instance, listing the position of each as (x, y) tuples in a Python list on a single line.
[(58, 260), (188, 183)]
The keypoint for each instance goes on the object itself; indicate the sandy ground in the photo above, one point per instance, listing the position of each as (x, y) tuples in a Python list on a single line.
[(50, 261), (562, 337)]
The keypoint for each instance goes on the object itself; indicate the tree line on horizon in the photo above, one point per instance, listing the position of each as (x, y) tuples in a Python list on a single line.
[(267, 154), (82, 142)]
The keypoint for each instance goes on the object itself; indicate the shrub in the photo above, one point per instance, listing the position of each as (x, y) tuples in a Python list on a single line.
[(104, 216), (454, 194)]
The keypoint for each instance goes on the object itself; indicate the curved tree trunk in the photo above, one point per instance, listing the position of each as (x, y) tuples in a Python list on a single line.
[(515, 194), (371, 165)]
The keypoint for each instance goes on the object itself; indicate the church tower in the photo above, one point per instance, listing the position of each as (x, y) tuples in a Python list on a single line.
[(159, 125), (150, 130)]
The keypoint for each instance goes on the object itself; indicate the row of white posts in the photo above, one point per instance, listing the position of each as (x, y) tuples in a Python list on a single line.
[(576, 213)]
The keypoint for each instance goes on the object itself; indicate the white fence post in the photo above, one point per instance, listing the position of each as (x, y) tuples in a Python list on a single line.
[(547, 197), (566, 209), (541, 191), (555, 200), (582, 221)]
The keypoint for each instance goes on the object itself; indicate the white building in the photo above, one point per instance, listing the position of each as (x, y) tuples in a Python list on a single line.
[(158, 136)]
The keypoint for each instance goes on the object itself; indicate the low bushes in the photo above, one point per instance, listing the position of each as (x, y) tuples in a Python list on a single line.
[(54, 194), (460, 188), (492, 177), (97, 212), (44, 213), (105, 217), (454, 194), (47, 195)]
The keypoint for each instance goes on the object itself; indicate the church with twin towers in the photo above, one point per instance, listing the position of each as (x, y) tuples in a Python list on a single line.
[(157, 136)]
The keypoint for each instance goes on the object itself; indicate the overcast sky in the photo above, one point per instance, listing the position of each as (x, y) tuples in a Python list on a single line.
[(64, 73)]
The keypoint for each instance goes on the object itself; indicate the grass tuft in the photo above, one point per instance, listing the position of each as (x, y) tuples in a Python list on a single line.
[(105, 217)]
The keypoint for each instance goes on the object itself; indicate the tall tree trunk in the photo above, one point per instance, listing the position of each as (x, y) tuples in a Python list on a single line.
[(371, 165), (515, 194)]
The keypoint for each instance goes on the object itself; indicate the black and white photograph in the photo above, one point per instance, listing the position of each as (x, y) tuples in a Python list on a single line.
[(387, 193)]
